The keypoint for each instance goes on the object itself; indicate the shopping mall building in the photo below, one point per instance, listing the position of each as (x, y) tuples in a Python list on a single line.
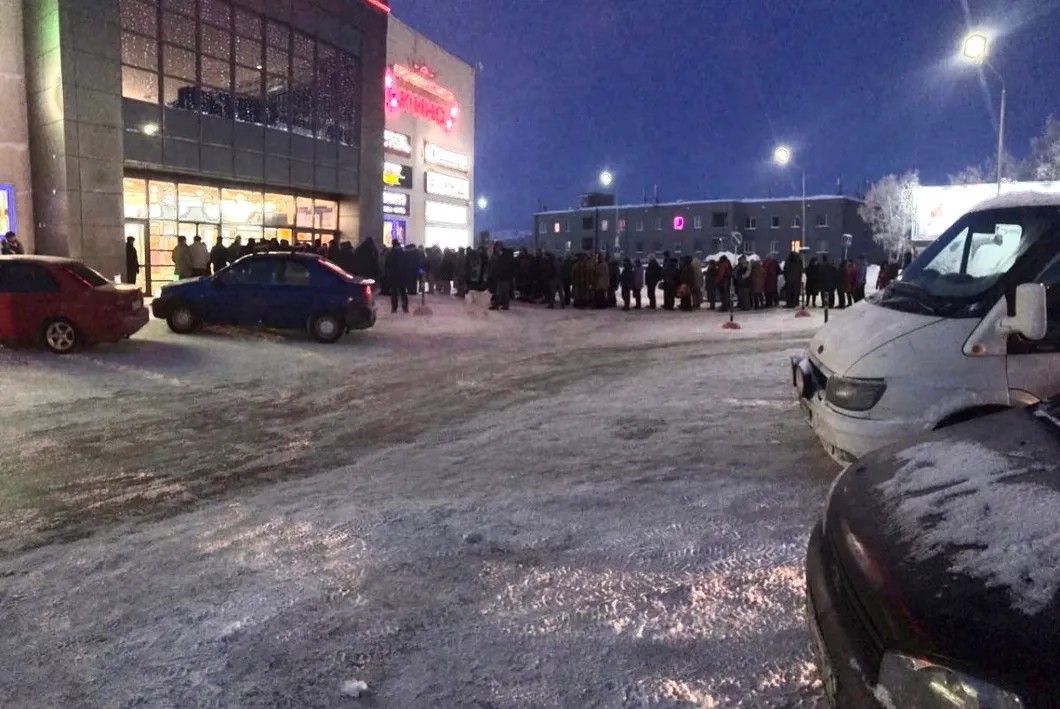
[(428, 168), (256, 119)]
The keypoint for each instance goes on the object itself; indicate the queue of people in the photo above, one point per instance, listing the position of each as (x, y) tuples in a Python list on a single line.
[(583, 280)]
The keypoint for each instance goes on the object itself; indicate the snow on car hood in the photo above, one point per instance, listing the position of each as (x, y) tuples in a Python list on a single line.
[(841, 343), (960, 501)]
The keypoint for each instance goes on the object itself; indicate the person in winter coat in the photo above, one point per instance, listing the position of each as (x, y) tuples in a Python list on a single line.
[(710, 283), (218, 255), (248, 248), (11, 246), (771, 271), (813, 283), (669, 280), (758, 285), (697, 283), (132, 260), (200, 257), (847, 275), (460, 273), (601, 281), (365, 260), (627, 281), (861, 275), (182, 258), (652, 275), (828, 279), (566, 277), (548, 271), (793, 280), (686, 283), (724, 282), (613, 275), (397, 268), (638, 281), (742, 277)]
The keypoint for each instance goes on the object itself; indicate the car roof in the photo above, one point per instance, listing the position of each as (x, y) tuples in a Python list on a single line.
[(1024, 198), (52, 260)]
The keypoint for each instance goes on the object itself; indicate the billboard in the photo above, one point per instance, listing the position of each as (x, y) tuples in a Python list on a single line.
[(938, 207)]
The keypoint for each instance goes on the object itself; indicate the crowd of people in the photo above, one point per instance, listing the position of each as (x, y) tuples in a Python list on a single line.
[(583, 280)]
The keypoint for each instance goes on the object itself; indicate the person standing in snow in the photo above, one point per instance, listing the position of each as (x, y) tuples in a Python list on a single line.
[(199, 257), (181, 255), (638, 281), (792, 281), (397, 267), (724, 283), (669, 281), (652, 275), (861, 275), (132, 260), (626, 281), (218, 255), (772, 276)]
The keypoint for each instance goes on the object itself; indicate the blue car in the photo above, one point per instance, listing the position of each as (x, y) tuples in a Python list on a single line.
[(285, 291)]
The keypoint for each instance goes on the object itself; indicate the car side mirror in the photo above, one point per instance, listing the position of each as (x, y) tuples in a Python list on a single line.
[(1031, 319)]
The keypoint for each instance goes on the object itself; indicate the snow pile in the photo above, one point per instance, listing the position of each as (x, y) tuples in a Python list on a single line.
[(353, 688), (958, 499)]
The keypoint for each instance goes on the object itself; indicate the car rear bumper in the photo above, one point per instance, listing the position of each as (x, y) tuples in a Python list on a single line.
[(835, 644), (360, 317), (122, 326)]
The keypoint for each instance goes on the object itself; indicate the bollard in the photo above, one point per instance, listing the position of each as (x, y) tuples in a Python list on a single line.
[(731, 324)]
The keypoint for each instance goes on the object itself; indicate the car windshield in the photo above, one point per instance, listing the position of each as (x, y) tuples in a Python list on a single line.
[(86, 274), (955, 275)]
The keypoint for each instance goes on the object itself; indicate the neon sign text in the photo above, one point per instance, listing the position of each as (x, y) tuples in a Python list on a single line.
[(406, 91)]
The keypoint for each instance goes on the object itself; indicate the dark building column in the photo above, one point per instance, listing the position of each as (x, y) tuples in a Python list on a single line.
[(73, 67), (373, 122)]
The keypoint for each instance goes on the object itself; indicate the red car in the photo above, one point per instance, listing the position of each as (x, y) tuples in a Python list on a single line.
[(64, 304)]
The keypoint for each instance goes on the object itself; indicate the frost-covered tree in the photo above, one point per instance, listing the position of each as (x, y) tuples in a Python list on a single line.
[(1043, 163), (986, 171), (889, 210)]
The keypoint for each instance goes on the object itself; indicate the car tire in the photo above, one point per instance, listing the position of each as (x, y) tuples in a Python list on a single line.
[(326, 328), (183, 320), (60, 336)]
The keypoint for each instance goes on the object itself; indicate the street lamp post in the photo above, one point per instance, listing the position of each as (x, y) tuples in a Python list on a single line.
[(975, 48), (607, 179), (782, 157)]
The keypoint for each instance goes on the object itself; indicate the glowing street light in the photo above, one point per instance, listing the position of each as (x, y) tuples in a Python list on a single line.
[(782, 156), (483, 203), (975, 48), (606, 178)]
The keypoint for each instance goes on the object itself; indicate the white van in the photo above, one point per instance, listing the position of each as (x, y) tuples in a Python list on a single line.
[(970, 328)]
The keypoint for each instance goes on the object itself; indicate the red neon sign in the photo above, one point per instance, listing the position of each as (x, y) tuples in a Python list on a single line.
[(379, 5), (399, 85)]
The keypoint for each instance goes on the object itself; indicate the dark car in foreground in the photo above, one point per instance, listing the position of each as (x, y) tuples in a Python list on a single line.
[(63, 304), (932, 576), (283, 290)]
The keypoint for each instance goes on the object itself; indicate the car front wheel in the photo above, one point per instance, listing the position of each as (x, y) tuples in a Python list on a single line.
[(326, 328), (60, 336), (183, 320)]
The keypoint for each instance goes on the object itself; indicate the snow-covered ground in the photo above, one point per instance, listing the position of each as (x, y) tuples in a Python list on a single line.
[(525, 509)]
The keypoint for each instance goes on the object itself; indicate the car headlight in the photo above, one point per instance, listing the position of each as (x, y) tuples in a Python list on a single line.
[(855, 394), (912, 682)]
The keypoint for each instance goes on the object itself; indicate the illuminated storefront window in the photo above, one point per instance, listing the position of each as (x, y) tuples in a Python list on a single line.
[(157, 212), (229, 62)]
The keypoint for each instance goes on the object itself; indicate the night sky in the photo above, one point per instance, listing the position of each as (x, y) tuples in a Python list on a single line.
[(693, 94)]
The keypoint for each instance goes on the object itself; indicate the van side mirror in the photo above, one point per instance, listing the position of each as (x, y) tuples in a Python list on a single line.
[(1031, 319)]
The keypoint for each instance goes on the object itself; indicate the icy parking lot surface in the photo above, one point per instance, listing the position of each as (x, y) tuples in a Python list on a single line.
[(530, 509)]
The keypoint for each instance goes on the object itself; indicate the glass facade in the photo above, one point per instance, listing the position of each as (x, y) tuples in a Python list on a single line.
[(158, 211), (215, 58)]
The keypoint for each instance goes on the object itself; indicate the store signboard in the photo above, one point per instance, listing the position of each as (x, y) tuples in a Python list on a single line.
[(397, 143), (445, 213), (442, 185), (395, 203), (446, 237), (441, 157), (397, 175)]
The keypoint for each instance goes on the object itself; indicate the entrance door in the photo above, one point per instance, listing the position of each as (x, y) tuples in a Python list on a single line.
[(138, 231)]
